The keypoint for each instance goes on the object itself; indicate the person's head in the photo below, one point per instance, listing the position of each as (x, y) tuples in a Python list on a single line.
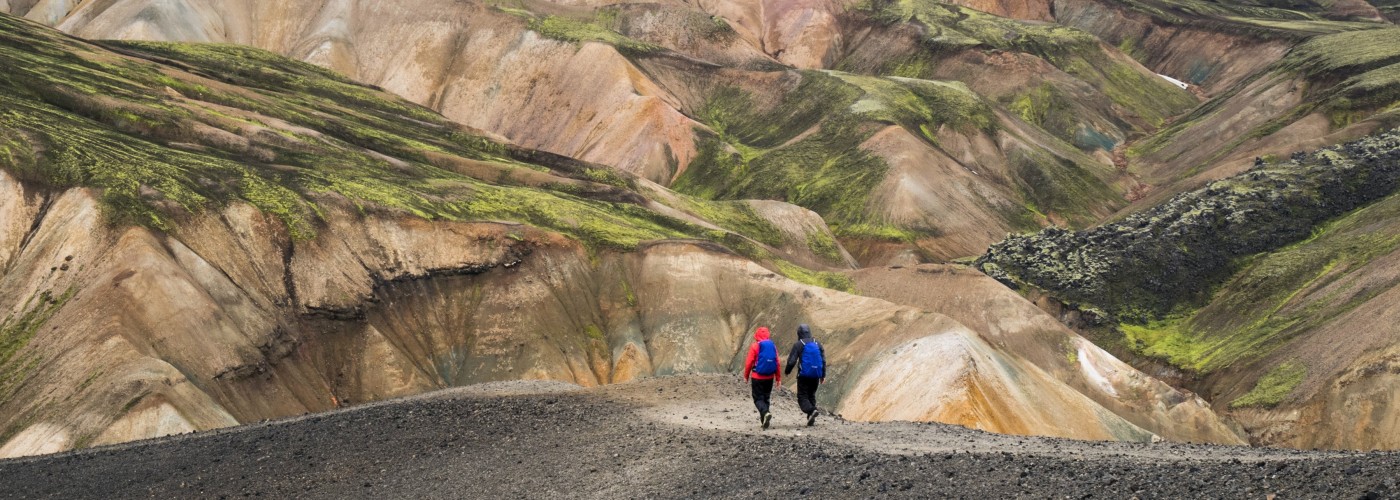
[(803, 332), (761, 333)]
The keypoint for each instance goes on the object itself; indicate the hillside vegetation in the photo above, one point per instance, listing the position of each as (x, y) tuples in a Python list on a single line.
[(181, 129), (1329, 88)]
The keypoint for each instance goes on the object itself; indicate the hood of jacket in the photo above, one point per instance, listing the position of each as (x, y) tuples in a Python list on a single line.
[(803, 332), (761, 334)]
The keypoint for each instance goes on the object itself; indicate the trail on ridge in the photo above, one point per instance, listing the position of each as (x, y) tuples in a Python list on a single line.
[(691, 436)]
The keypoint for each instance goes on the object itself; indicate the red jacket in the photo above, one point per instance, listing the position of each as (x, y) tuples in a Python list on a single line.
[(758, 336)]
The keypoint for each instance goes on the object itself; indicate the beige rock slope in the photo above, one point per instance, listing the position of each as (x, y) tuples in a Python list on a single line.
[(1024, 333)]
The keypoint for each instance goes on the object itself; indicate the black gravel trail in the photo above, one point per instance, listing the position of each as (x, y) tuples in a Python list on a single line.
[(602, 444)]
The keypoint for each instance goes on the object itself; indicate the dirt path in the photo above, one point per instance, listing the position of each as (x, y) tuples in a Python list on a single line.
[(666, 437)]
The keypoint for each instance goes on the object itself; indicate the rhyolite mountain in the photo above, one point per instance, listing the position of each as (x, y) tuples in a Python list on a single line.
[(881, 116), (632, 186), (197, 236)]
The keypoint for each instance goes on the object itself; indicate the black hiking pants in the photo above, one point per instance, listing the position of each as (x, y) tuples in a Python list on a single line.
[(762, 390), (807, 393)]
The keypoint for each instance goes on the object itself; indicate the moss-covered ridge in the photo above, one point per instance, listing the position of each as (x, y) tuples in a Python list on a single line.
[(1366, 63), (949, 28), (1350, 76), (1170, 258), (752, 154), (1265, 19), (578, 27), (166, 130), (802, 145)]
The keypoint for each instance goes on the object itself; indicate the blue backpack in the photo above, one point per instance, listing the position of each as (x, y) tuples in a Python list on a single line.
[(813, 366), (767, 362)]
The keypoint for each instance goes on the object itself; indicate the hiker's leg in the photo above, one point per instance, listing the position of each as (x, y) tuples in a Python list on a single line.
[(762, 389), (807, 394)]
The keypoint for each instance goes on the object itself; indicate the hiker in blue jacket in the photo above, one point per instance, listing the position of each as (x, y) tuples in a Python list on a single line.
[(809, 356)]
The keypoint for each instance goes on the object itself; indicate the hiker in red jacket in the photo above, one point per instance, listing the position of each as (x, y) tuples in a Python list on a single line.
[(761, 369)]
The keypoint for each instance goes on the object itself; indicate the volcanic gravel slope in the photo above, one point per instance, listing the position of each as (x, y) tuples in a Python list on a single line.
[(666, 437)]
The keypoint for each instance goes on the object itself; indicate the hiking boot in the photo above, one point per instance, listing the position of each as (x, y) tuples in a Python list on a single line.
[(767, 419), (812, 418)]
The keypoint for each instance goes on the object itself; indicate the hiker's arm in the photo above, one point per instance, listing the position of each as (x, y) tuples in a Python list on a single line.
[(795, 353), (749, 361), (822, 349)]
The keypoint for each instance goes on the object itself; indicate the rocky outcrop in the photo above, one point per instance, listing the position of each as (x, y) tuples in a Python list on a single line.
[(1266, 292), (1180, 249)]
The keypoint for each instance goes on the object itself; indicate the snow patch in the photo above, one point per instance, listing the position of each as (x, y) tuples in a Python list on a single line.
[(1174, 81), (1092, 372)]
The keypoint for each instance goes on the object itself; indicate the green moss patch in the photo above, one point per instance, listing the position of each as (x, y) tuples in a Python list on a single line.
[(17, 330), (1273, 387), (754, 154), (834, 281), (823, 245), (736, 216), (596, 28), (1350, 52), (577, 31)]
